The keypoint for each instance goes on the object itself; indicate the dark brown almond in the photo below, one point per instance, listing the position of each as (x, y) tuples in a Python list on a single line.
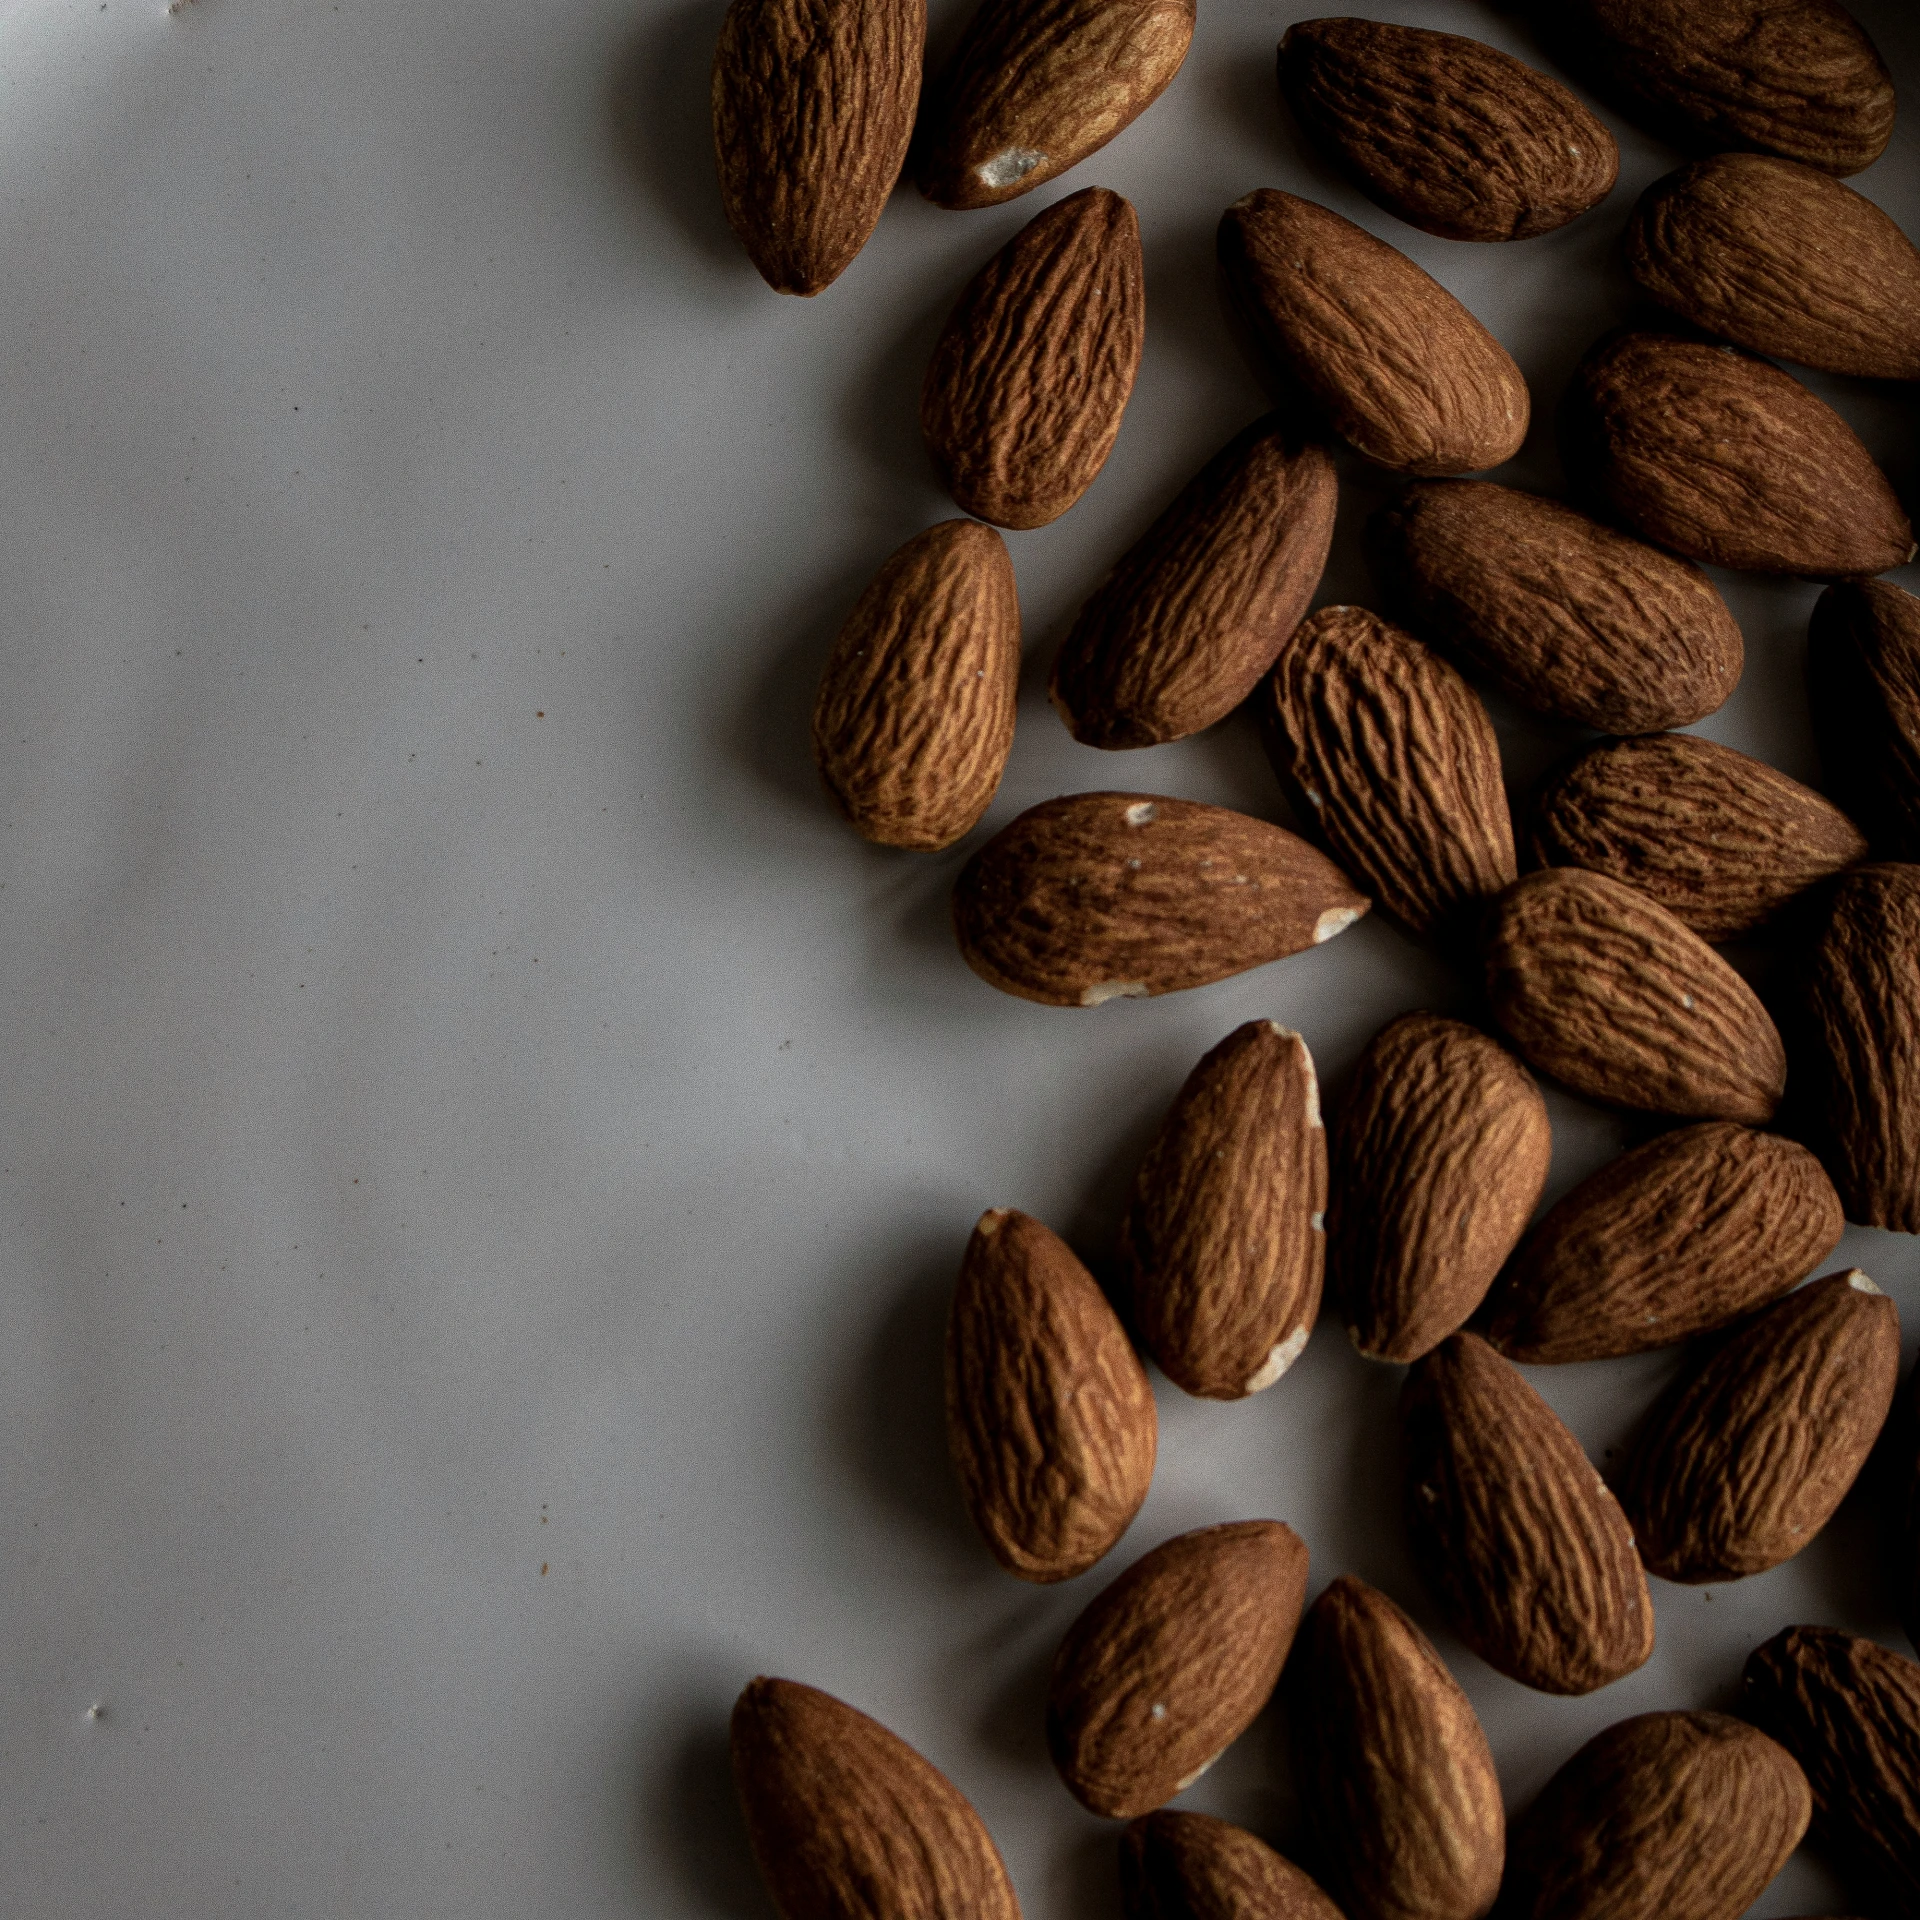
[(1397, 365), (1518, 1538), (1190, 1866), (1904, 1479), (1863, 676), (1023, 397), (1676, 1238), (1179, 633), (914, 718), (1167, 1667), (1050, 1419)]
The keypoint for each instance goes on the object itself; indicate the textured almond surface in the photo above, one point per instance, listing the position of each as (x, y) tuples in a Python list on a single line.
[(1179, 633), (1222, 1245), (1440, 1147), (1397, 365), (847, 1822), (1676, 1238), (1570, 617), (1167, 1667), (1050, 1420), (1023, 397), (1863, 676), (1519, 1540), (1103, 896), (1190, 1866), (914, 718)]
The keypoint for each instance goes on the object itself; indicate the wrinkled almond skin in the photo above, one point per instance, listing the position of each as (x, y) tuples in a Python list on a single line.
[(1050, 1419), (1597, 985), (1222, 1246), (1863, 680), (1849, 1712), (1784, 260), (1744, 1458), (1190, 1866), (1569, 617), (1179, 633), (1450, 134), (1395, 1776), (1023, 397), (1721, 840), (847, 1822), (1518, 1538), (1720, 456), (1167, 1667), (1667, 1816), (1676, 1238), (1032, 89), (1396, 364), (813, 106), (1440, 1148), (1105, 896), (914, 718)]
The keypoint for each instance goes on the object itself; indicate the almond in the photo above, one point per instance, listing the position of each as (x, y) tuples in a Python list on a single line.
[(1050, 1420), (1440, 1148), (1023, 397), (1455, 137), (1676, 1238), (1104, 896), (845, 1818), (1169, 1666), (1905, 1480), (1398, 366), (1190, 1866), (1518, 1538), (1179, 633), (1863, 674)]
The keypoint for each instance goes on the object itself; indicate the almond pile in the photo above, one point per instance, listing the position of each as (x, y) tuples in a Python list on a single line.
[(1585, 918)]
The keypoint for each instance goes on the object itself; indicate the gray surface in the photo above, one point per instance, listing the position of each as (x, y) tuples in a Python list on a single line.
[(483, 1148)]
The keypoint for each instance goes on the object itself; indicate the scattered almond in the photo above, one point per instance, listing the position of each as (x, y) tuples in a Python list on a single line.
[(1190, 1866)]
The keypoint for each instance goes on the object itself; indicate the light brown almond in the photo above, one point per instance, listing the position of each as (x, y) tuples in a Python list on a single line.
[(1863, 677), (1190, 1866)]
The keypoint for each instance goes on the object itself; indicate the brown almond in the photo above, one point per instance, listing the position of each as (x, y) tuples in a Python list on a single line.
[(1050, 1419), (1518, 1538), (1863, 678), (1676, 1238), (845, 1818), (1179, 633), (1104, 896), (1440, 1148), (1450, 134), (1023, 397), (1190, 1866), (914, 718), (1397, 365), (1905, 1484), (813, 107), (1168, 1666)]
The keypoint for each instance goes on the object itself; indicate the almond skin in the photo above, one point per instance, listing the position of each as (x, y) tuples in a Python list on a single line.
[(1518, 1538), (1179, 633), (1440, 1148), (846, 1819), (1222, 1246), (914, 718), (1676, 1238), (1190, 1866), (1104, 896), (1023, 397), (1397, 365), (1050, 1419), (813, 105), (1863, 679), (1167, 1667), (1453, 136)]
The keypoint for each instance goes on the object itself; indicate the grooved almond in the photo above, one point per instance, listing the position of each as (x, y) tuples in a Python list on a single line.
[(1863, 675), (1190, 1866)]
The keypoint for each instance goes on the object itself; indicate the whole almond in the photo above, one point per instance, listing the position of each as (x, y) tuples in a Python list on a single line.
[(1440, 1148), (1167, 1667), (1452, 135), (1050, 1419), (1179, 633), (914, 718), (1863, 676), (846, 1819), (1222, 1245), (1396, 364), (1104, 896), (1567, 616), (1023, 397), (1676, 1238), (1190, 1866), (1518, 1538), (813, 106)]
